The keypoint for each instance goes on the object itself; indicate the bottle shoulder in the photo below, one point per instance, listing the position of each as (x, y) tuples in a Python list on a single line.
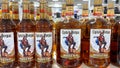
[(71, 24), (44, 25), (26, 25), (99, 23), (6, 25)]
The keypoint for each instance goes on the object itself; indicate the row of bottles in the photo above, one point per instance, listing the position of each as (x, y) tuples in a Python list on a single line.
[(30, 45), (24, 43), (94, 41)]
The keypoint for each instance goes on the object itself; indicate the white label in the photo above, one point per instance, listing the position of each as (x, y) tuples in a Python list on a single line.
[(25, 46), (43, 46), (100, 43), (7, 47), (70, 40)]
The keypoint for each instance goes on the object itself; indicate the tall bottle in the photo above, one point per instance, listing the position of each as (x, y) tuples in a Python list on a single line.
[(115, 47), (84, 26), (25, 39), (7, 45), (43, 39), (15, 13), (98, 44), (31, 9), (115, 25), (69, 40), (54, 32)]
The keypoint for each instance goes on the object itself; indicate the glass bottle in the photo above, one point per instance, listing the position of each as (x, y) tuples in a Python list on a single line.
[(69, 40), (7, 45), (85, 29), (98, 44), (43, 39), (25, 39), (115, 48)]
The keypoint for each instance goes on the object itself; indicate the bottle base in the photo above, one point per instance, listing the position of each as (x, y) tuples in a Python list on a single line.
[(65, 63), (97, 63)]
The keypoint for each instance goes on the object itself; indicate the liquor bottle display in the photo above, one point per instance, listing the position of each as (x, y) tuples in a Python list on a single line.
[(15, 11), (69, 40), (42, 34), (7, 45), (43, 39), (98, 53), (25, 39)]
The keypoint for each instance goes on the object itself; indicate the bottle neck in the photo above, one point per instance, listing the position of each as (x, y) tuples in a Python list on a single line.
[(5, 16), (31, 9), (43, 11), (26, 14), (5, 11), (15, 17), (15, 11), (32, 16), (69, 10)]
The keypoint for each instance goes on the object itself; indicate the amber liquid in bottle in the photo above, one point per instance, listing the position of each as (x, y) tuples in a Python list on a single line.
[(44, 39), (115, 48), (7, 30), (101, 26), (25, 40), (70, 61), (84, 25), (44, 26)]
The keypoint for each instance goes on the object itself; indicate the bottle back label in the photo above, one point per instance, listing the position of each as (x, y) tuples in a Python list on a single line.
[(70, 40), (7, 52), (43, 46), (100, 43), (25, 46)]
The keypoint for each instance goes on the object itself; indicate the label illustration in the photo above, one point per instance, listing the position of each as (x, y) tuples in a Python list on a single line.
[(100, 43), (43, 46), (25, 46), (70, 43), (7, 53)]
